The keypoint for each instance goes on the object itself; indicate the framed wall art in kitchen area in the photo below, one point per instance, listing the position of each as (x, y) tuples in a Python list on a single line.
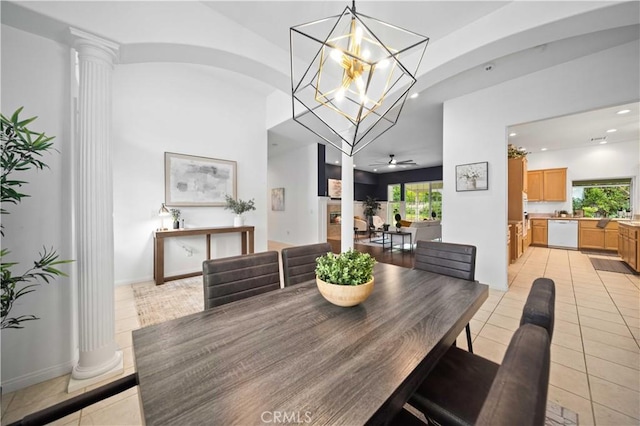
[(198, 181), (472, 177)]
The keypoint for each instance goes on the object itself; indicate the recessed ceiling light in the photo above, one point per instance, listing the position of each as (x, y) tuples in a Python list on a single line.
[(623, 111), (392, 166), (415, 95), (375, 170), (603, 142), (612, 130), (512, 134), (543, 149), (354, 165), (337, 162)]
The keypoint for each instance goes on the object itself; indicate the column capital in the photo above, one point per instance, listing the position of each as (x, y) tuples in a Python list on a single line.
[(87, 43)]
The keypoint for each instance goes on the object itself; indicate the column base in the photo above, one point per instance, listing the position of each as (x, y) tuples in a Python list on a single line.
[(76, 384)]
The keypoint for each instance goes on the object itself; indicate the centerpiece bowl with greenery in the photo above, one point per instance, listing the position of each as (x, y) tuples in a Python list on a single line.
[(345, 279)]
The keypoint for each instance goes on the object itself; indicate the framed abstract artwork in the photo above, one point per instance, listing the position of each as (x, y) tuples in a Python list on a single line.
[(472, 177), (277, 199), (198, 181), (335, 188)]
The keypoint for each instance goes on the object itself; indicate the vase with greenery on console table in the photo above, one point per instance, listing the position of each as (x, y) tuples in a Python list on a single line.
[(239, 207)]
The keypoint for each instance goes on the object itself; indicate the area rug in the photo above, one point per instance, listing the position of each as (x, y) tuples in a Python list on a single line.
[(610, 265), (173, 299)]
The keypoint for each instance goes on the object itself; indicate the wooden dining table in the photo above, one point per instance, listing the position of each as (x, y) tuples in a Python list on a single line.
[(289, 356)]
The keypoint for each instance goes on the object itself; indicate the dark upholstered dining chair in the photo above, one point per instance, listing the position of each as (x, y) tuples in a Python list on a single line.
[(299, 263), (233, 278), (539, 309), (454, 260), (467, 389)]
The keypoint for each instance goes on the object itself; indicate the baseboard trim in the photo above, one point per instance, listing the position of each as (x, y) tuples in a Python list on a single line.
[(35, 377)]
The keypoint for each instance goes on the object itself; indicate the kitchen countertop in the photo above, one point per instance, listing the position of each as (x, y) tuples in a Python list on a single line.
[(620, 220), (633, 223)]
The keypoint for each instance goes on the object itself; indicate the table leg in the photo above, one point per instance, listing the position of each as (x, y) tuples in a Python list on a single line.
[(243, 237), (158, 260), (208, 246), (251, 241)]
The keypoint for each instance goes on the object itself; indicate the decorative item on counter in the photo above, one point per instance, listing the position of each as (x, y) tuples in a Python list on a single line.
[(345, 279), (398, 218), (238, 207), (181, 223), (513, 152), (175, 215), (563, 213)]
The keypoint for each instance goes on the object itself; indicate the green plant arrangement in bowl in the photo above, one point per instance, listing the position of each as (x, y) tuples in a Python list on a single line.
[(345, 279)]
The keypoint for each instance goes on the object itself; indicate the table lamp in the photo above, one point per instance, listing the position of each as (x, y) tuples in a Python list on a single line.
[(163, 212)]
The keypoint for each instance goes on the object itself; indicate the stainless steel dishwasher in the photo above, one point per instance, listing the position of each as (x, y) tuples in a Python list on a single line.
[(562, 233)]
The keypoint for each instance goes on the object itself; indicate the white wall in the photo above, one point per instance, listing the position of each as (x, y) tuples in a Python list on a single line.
[(617, 160), (296, 171), (186, 109), (35, 74), (475, 130)]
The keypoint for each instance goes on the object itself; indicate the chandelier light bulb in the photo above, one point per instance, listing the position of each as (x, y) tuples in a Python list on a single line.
[(340, 94), (336, 55), (358, 36)]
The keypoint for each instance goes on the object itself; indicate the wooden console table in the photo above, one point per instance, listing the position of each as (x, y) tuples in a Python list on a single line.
[(247, 236)]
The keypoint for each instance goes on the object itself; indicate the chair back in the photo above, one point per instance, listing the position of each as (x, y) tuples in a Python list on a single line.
[(454, 260), (299, 263), (540, 306), (238, 277), (518, 395)]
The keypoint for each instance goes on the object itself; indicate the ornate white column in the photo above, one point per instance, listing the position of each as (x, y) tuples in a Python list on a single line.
[(346, 204), (98, 357)]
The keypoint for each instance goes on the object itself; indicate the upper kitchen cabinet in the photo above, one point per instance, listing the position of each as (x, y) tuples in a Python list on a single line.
[(547, 185)]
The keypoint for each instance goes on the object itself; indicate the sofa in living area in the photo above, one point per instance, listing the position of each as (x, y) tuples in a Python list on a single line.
[(426, 230)]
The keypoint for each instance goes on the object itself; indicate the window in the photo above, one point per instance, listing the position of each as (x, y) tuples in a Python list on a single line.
[(393, 194), (423, 199), (602, 198)]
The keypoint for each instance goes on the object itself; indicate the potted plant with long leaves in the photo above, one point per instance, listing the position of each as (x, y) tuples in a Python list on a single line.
[(22, 150)]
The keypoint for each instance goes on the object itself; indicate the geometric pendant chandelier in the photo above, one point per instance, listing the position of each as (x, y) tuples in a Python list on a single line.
[(350, 76)]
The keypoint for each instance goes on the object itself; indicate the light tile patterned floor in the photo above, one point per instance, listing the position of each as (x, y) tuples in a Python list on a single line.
[(595, 353)]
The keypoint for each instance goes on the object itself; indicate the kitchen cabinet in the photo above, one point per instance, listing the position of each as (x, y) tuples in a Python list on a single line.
[(547, 185), (539, 232), (592, 237), (509, 244), (516, 241), (517, 186), (526, 241), (628, 245)]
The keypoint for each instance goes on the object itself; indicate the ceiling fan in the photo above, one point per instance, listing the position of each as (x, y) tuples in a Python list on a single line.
[(393, 162)]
